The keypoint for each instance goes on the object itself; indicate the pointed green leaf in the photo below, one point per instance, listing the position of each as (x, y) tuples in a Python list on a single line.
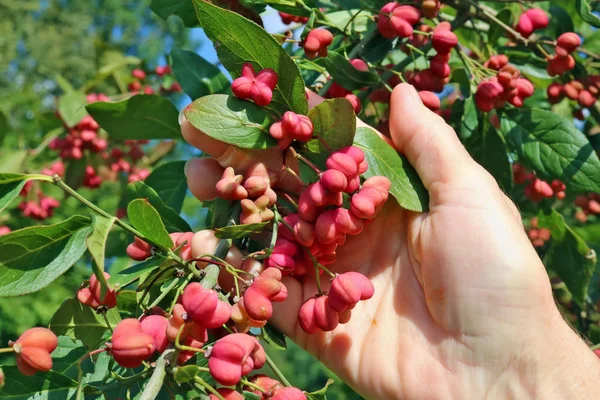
[(81, 322), (31, 258), (185, 373), (184, 9), (231, 120), (173, 222), (147, 221), (334, 123), (239, 231), (170, 182), (129, 275), (584, 9), (10, 187), (569, 256), (96, 244), (272, 336), (239, 40), (197, 76), (344, 73), (71, 107), (383, 160), (488, 148), (553, 147), (139, 117)]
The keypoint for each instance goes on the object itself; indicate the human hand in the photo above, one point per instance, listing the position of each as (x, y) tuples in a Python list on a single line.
[(462, 306)]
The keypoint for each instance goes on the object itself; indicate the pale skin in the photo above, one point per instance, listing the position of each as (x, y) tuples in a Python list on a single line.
[(463, 307)]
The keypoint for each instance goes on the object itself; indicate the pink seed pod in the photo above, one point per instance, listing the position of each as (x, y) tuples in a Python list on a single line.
[(586, 99), (496, 62), (229, 187), (539, 18), (443, 39), (227, 394), (303, 231), (289, 393), (175, 322), (567, 43), (130, 346), (204, 307), (32, 350), (334, 180), (343, 163), (560, 65), (90, 296), (439, 66), (316, 314), (348, 289), (316, 43), (139, 250), (234, 356), (156, 326), (259, 87)]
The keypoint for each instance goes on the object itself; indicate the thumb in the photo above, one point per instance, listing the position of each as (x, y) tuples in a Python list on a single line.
[(430, 145)]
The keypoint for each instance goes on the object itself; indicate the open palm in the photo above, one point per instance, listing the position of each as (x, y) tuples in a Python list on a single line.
[(461, 298)]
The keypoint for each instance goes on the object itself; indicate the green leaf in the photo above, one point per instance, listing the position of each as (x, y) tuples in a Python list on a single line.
[(272, 336), (569, 256), (96, 244), (170, 182), (379, 50), (147, 221), (197, 76), (71, 107), (334, 123), (4, 127), (344, 73), (560, 21), (357, 20), (81, 322), (129, 275), (584, 9), (239, 231), (251, 396), (231, 120), (10, 187), (323, 391), (185, 373), (173, 222), (383, 160), (184, 9), (461, 76), (239, 40), (488, 148), (553, 147), (139, 117), (465, 118), (496, 31), (12, 160), (31, 258)]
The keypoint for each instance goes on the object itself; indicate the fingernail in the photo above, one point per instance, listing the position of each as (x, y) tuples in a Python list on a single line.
[(181, 117), (186, 168), (414, 93)]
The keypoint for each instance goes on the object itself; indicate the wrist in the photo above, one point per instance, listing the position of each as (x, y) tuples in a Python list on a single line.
[(559, 365)]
